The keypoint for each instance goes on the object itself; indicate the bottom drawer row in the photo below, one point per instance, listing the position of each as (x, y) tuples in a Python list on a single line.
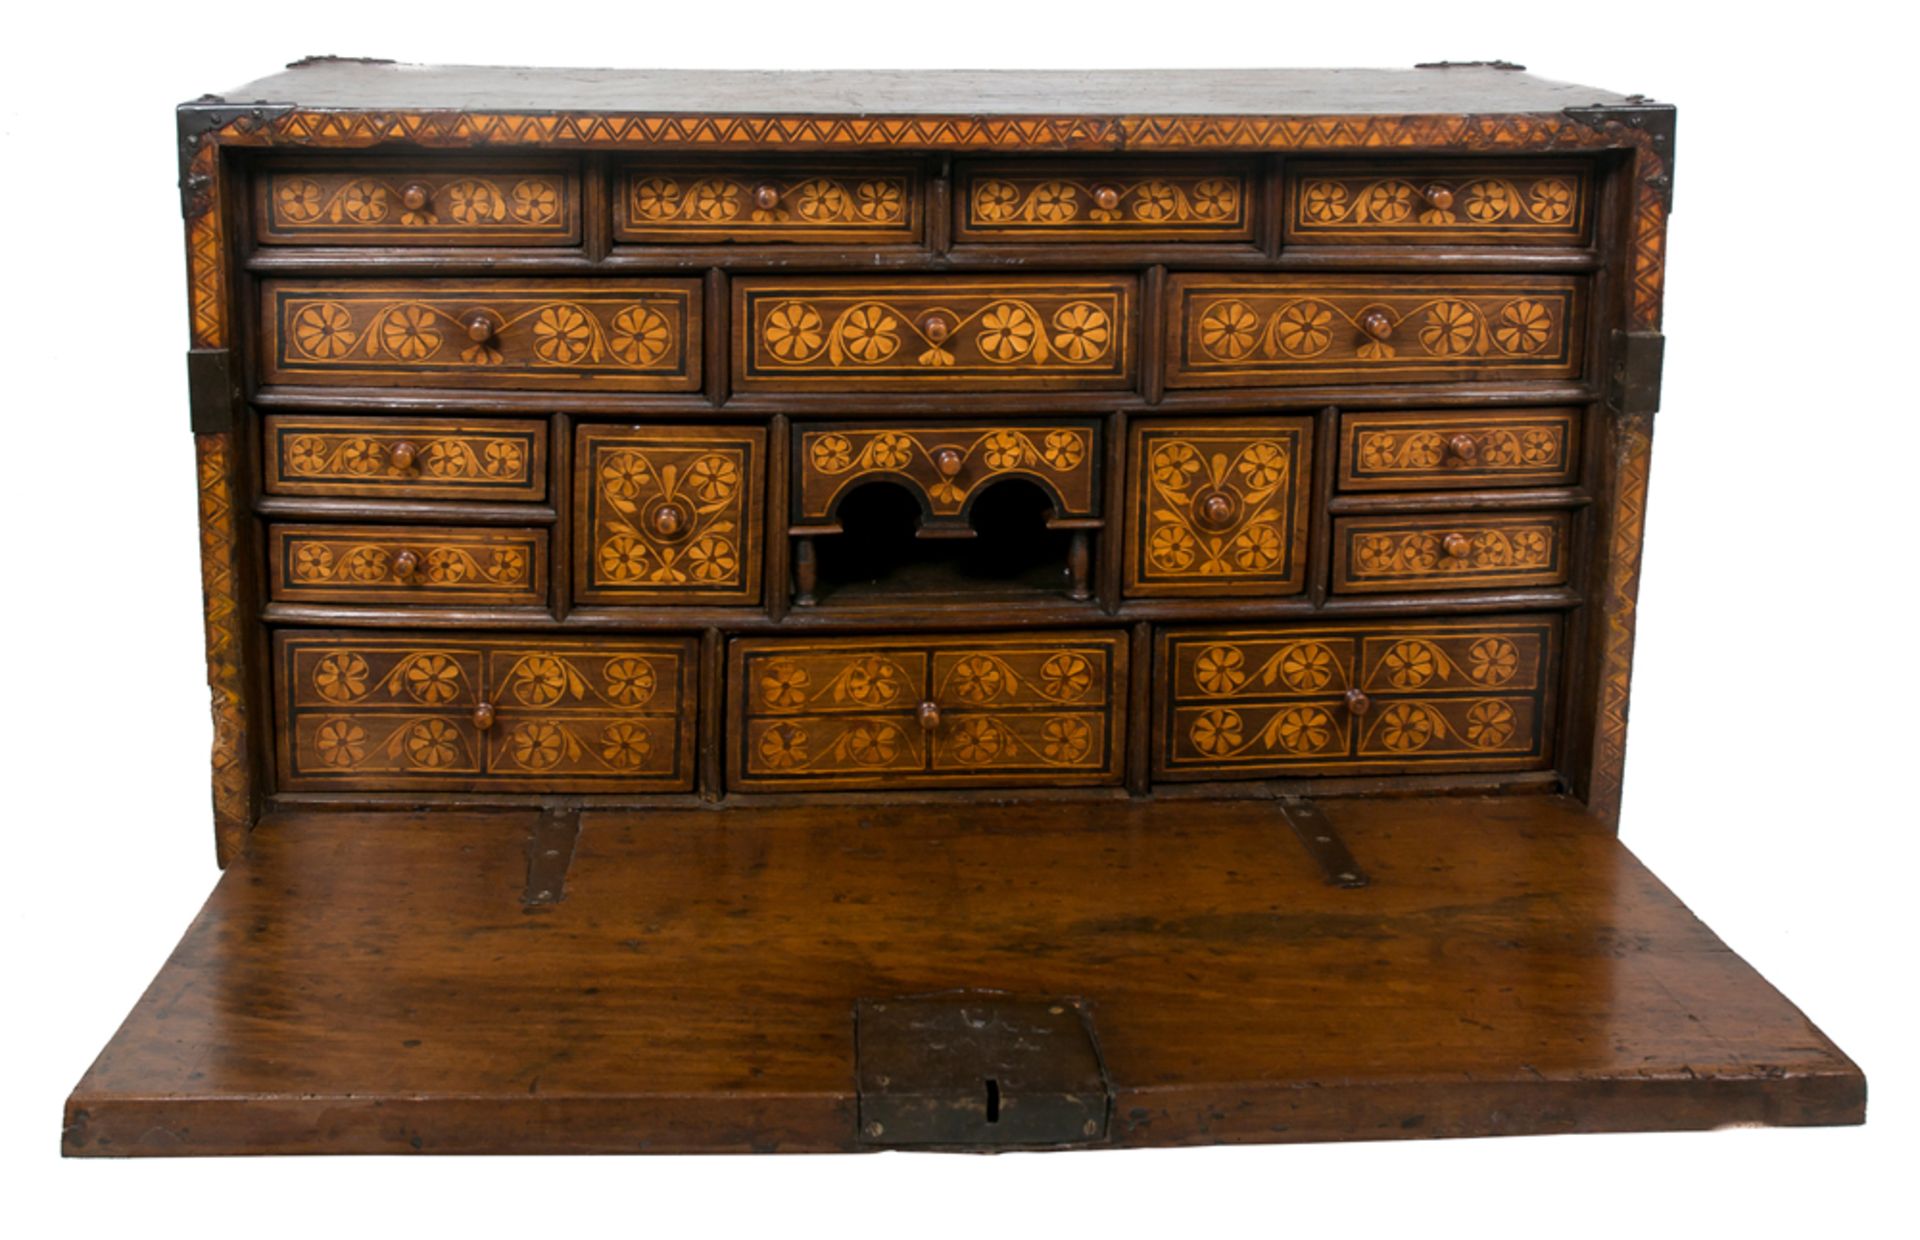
[(365, 712)]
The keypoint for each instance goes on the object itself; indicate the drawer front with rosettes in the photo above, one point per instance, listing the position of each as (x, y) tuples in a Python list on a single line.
[(943, 333), (1382, 698), (1258, 330), (406, 458), (372, 713), (1450, 450), (419, 203), (1451, 551), (423, 565), (1105, 201), (1438, 202), (614, 335), (947, 464), (1047, 708), (745, 203)]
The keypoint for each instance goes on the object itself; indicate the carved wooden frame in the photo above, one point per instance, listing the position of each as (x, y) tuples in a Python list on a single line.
[(209, 127)]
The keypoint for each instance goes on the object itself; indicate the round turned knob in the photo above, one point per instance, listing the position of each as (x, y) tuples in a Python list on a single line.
[(1376, 324), (483, 716), (402, 455), (1106, 197), (1358, 702), (766, 197), (1216, 510), (929, 715), (668, 520), (405, 565), (480, 326), (936, 327), (1463, 447), (948, 461), (415, 196), (1439, 197), (1457, 546)]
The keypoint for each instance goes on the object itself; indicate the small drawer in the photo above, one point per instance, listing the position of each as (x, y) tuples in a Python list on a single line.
[(965, 710), (936, 334), (425, 202), (1438, 202), (1372, 555), (405, 458), (668, 514), (1452, 450), (1259, 330), (426, 565), (373, 713), (1376, 698), (947, 464), (1115, 201), (1219, 506), (746, 203), (612, 335)]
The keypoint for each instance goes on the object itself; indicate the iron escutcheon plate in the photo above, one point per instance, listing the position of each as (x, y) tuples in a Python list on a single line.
[(978, 1070)]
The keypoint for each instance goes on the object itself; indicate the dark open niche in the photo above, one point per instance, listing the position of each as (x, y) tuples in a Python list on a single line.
[(885, 549)]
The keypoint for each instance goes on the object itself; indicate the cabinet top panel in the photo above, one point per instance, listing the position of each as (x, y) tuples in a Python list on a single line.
[(327, 82)]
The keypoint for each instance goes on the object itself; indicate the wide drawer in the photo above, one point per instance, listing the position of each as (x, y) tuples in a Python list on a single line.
[(1219, 506), (947, 464), (418, 202), (668, 514), (1449, 551), (949, 333), (1256, 330), (405, 458), (765, 201), (372, 713), (626, 335), (1438, 202), (414, 564), (1046, 708), (1429, 451), (1398, 696), (1115, 201)]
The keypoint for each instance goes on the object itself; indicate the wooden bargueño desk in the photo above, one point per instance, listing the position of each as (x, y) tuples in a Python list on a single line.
[(787, 611)]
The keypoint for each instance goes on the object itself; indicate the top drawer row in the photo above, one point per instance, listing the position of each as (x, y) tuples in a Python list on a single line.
[(539, 202)]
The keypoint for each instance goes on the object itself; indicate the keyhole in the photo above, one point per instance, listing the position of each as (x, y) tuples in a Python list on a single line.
[(993, 1101)]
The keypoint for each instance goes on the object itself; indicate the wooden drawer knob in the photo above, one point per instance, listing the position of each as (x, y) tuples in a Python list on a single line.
[(483, 716), (402, 456), (1216, 511), (1358, 702), (1106, 197), (668, 520), (1377, 324), (405, 565), (1457, 546), (948, 461), (480, 326), (415, 196), (1464, 447), (929, 715), (1439, 197), (766, 196), (936, 327)]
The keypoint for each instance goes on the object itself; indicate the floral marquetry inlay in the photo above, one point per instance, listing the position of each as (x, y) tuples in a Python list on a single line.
[(953, 333), (1393, 451), (1218, 507), (668, 514), (428, 204), (856, 712), (635, 335), (422, 564), (404, 457), (948, 464), (1095, 201), (1446, 203), (1449, 552), (1231, 330), (555, 715), (872, 204), (1313, 700)]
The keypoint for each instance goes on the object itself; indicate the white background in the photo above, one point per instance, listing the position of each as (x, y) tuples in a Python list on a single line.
[(1776, 712)]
